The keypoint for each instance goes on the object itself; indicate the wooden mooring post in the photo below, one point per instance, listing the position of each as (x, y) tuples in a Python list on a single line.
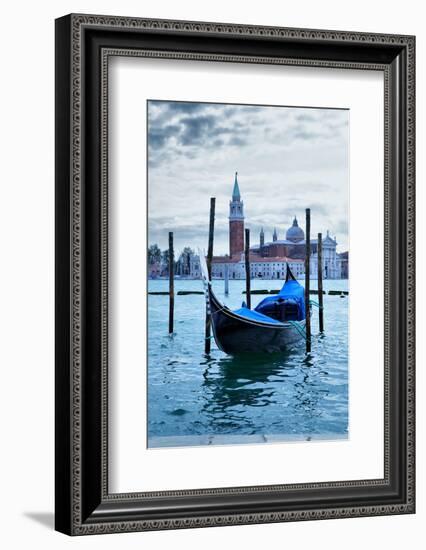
[(307, 279), (320, 295), (226, 277), (171, 283), (207, 345), (247, 262)]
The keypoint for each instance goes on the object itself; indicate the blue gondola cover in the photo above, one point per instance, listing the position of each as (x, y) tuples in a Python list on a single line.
[(288, 305), (253, 315)]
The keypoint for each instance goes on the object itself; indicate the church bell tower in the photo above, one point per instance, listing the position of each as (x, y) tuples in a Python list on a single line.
[(236, 221)]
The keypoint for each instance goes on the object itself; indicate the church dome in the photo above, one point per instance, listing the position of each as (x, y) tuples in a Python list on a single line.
[(295, 233)]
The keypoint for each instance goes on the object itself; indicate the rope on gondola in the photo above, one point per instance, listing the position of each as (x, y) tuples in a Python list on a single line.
[(316, 304), (220, 309), (298, 328)]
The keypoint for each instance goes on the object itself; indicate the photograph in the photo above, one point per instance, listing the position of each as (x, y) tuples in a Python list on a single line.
[(248, 274), (234, 275)]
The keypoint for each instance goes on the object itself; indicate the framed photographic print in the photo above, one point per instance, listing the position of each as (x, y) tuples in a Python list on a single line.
[(234, 274)]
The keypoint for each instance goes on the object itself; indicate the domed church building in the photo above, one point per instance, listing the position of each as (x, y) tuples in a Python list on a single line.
[(268, 259), (293, 246), (295, 234)]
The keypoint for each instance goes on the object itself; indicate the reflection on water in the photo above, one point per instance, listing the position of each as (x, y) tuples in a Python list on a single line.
[(288, 394)]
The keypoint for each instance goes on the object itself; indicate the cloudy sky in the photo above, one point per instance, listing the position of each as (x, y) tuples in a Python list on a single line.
[(287, 158)]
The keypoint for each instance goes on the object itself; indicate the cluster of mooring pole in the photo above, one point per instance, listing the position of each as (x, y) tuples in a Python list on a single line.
[(171, 283), (247, 267), (207, 345), (247, 262), (320, 298), (307, 281)]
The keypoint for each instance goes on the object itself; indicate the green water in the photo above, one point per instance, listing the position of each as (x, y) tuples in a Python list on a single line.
[(194, 399)]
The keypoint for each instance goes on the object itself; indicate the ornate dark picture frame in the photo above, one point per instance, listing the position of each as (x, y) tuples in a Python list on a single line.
[(83, 45)]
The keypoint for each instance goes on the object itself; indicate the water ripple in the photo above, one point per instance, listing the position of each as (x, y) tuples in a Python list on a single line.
[(288, 394)]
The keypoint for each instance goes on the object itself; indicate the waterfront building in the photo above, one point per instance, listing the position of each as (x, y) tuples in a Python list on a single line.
[(195, 266), (154, 270), (268, 259), (260, 268)]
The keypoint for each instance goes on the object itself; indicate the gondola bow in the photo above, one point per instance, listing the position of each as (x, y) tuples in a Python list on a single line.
[(274, 325)]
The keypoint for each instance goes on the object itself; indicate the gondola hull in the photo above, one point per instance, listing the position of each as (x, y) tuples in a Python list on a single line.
[(235, 334)]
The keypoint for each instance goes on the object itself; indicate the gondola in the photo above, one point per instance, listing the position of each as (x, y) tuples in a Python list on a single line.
[(274, 325)]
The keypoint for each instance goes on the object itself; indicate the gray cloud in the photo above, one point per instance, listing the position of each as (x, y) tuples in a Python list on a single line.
[(287, 158), (305, 117), (158, 136), (195, 129), (184, 108), (178, 124), (341, 226), (304, 134), (236, 140)]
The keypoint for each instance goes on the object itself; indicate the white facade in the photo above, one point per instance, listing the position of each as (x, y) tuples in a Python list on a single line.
[(276, 269), (330, 262), (259, 269), (195, 266)]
